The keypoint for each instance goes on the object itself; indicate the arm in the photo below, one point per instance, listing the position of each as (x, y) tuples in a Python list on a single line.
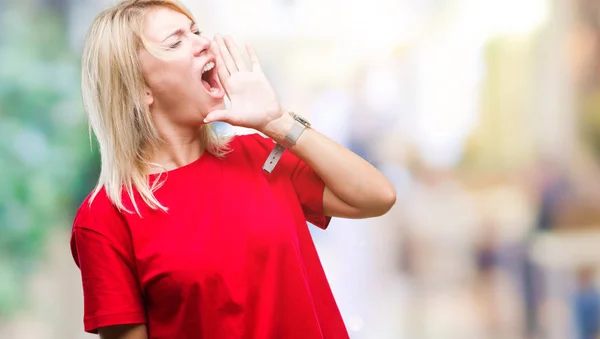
[(124, 332), (111, 294), (354, 188)]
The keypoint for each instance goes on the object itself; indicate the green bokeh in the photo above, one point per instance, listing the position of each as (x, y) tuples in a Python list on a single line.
[(46, 166)]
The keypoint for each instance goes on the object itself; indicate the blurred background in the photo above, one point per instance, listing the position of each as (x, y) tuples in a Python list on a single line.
[(485, 114)]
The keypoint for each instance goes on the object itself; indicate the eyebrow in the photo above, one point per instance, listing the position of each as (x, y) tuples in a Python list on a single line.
[(179, 31)]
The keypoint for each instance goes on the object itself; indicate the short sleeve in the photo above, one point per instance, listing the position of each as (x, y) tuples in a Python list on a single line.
[(309, 188), (111, 294)]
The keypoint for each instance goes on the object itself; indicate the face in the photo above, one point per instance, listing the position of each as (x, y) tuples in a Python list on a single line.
[(180, 71)]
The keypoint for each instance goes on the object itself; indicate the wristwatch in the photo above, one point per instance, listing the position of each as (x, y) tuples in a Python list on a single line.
[(300, 124)]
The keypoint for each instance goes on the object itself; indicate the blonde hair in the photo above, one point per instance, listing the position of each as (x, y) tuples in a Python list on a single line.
[(112, 89)]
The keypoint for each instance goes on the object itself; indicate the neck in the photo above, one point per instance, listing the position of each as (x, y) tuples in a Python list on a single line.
[(181, 145)]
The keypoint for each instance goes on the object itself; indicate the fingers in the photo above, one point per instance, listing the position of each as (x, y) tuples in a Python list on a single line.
[(253, 58), (230, 58), (222, 71), (234, 50), (226, 56)]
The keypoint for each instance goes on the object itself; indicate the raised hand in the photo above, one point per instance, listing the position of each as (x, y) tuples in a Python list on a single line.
[(253, 101)]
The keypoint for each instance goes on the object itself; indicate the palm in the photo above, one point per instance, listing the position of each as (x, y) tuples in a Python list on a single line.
[(253, 101), (252, 98)]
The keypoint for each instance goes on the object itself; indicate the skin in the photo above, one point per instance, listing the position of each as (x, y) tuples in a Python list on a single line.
[(180, 104), (178, 101)]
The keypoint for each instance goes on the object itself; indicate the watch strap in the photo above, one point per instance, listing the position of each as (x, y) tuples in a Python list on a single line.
[(289, 141), (294, 134), (273, 158)]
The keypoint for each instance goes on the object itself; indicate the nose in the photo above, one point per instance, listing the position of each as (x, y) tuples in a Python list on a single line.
[(201, 44)]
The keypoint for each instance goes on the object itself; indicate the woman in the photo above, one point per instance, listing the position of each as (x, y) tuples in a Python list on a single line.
[(186, 234)]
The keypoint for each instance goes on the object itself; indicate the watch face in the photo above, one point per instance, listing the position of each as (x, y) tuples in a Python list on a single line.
[(301, 120)]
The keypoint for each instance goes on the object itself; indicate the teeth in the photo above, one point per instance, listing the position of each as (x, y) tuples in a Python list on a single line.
[(208, 67), (214, 90)]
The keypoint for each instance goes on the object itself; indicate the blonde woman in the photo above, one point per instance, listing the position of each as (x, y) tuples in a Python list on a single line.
[(189, 235)]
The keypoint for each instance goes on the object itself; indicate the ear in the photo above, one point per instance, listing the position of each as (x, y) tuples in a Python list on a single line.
[(148, 97)]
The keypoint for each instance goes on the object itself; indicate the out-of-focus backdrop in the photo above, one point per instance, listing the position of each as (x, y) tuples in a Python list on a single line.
[(485, 114)]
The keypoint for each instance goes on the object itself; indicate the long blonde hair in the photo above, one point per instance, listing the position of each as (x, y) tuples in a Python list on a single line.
[(112, 89)]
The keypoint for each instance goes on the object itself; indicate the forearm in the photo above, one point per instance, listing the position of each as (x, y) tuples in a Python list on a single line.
[(124, 332), (352, 179)]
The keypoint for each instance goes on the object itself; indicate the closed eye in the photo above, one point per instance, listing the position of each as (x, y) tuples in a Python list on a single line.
[(179, 32)]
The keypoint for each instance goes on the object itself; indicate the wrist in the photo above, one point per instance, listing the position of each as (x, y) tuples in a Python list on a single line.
[(285, 131), (278, 128)]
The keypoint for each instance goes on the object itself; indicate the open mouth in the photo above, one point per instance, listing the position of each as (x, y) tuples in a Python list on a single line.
[(210, 80)]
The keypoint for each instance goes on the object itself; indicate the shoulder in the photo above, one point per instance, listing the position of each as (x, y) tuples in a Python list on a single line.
[(255, 148), (252, 142), (250, 149), (98, 224), (97, 213)]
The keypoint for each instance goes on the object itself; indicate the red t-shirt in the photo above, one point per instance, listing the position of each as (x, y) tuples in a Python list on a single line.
[(232, 258)]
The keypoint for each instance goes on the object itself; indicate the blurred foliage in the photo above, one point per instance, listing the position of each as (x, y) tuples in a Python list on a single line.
[(46, 166)]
